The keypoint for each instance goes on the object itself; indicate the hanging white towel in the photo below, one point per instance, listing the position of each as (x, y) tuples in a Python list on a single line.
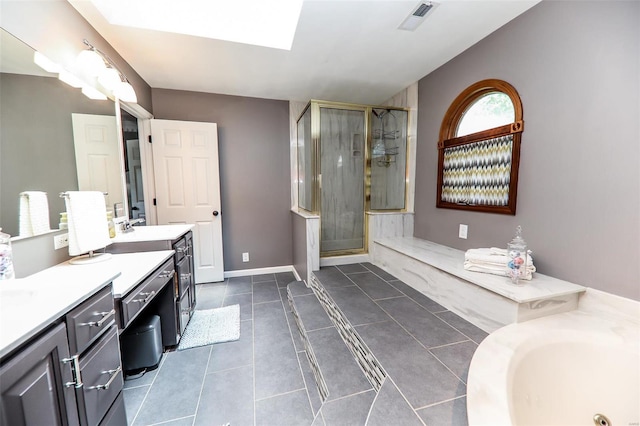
[(87, 220), (34, 213)]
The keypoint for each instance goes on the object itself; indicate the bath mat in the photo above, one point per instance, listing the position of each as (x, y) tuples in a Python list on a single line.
[(212, 326)]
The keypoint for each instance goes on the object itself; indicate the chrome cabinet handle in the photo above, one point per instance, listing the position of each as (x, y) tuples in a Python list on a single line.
[(75, 371), (185, 276), (166, 274), (105, 317), (182, 249), (114, 373), (146, 299)]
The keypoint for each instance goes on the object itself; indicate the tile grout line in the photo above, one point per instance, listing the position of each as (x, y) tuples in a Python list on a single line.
[(405, 399), (204, 378), (171, 421), (253, 350), (149, 390), (441, 402)]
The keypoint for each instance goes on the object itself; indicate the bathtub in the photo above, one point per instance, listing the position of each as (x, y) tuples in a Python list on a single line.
[(563, 369)]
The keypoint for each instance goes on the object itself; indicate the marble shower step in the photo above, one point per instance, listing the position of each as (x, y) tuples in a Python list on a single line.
[(337, 373)]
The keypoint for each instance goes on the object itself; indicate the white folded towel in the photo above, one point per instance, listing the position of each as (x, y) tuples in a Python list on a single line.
[(34, 213), (87, 221), (493, 261)]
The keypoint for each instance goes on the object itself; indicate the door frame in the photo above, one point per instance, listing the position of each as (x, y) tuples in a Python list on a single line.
[(146, 157)]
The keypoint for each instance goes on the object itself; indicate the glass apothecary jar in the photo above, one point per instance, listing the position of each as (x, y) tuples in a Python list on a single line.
[(518, 258)]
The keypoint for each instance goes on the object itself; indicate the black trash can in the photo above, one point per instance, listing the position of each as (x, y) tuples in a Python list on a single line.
[(141, 345)]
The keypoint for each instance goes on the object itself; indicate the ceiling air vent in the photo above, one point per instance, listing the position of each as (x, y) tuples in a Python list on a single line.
[(416, 17)]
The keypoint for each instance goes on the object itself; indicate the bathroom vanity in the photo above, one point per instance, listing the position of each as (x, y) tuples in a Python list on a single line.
[(60, 360), (178, 238)]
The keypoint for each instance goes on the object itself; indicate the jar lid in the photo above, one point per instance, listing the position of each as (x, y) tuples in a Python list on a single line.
[(518, 240)]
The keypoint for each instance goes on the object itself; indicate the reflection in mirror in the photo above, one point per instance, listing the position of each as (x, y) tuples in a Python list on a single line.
[(133, 166), (36, 137), (97, 154)]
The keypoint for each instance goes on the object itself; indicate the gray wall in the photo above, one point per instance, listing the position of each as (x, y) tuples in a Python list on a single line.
[(253, 138), (576, 68), (36, 135)]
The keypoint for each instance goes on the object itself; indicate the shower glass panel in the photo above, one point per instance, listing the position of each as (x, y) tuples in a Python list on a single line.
[(342, 163), (388, 158), (306, 173)]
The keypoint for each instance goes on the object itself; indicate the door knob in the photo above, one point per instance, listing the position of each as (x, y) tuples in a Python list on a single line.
[(216, 213)]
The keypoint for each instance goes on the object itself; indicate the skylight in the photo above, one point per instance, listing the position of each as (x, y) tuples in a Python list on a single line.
[(268, 23)]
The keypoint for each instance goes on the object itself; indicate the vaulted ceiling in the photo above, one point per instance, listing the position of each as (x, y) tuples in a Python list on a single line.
[(348, 51)]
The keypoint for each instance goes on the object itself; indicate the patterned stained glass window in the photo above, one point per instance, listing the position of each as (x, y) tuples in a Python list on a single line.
[(478, 173), (479, 149)]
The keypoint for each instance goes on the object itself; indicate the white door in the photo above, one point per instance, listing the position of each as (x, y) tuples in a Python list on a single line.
[(97, 148), (185, 160)]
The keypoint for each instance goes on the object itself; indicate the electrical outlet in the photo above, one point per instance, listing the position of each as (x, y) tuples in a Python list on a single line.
[(60, 241), (462, 232), (245, 257)]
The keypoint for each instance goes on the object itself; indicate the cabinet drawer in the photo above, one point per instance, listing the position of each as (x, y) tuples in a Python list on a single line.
[(181, 249), (184, 311), (89, 320), (101, 373), (142, 295), (116, 416), (183, 271)]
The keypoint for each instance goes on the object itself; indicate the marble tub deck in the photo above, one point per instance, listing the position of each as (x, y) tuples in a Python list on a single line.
[(488, 301)]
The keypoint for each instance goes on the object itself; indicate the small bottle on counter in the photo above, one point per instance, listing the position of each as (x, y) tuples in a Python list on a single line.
[(112, 226), (6, 257)]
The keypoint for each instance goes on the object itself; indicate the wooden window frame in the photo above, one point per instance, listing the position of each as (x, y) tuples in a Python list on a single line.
[(448, 139)]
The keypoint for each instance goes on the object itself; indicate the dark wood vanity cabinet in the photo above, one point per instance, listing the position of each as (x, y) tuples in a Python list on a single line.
[(181, 308), (71, 374), (185, 283), (33, 383)]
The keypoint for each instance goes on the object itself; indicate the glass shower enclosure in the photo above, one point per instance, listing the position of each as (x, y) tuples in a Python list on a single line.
[(351, 159)]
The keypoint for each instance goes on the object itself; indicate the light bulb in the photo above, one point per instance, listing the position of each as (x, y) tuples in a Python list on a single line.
[(91, 62), (109, 78), (124, 91)]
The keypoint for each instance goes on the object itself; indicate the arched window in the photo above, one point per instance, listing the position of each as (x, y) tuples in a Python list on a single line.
[(479, 149)]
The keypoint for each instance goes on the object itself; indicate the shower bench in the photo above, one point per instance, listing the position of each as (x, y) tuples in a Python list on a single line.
[(487, 301)]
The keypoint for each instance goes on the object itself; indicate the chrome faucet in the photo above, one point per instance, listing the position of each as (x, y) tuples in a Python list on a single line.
[(127, 225)]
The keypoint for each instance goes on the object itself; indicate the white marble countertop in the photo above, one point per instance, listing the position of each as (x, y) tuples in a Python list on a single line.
[(153, 233), (451, 260), (135, 267), (29, 305)]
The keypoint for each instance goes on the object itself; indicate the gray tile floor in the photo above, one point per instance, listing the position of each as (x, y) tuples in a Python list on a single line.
[(265, 378)]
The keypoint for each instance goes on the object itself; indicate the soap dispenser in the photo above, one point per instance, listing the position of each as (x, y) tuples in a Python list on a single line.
[(6, 257), (517, 262)]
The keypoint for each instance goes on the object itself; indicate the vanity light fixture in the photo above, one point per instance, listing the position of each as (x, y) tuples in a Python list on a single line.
[(45, 63), (93, 93), (96, 63), (70, 79)]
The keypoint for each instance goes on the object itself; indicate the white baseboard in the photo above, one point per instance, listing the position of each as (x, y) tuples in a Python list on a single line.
[(259, 271)]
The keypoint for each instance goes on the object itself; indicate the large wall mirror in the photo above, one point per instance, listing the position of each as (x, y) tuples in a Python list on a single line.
[(40, 118)]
